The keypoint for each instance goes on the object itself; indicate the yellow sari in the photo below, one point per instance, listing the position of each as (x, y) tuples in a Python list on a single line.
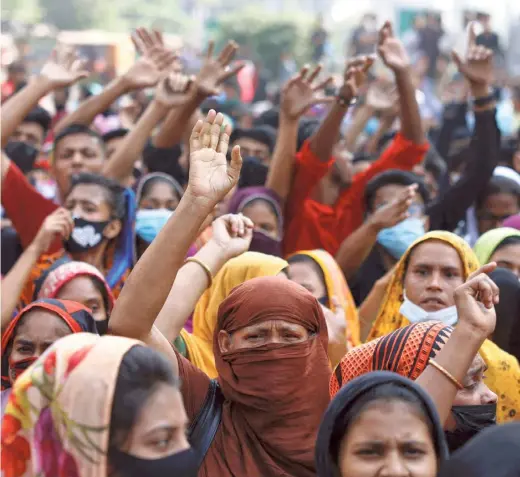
[(337, 286), (247, 266), (503, 374)]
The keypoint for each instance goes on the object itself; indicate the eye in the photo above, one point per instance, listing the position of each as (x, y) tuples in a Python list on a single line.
[(369, 452), (413, 451), (24, 349), (421, 272)]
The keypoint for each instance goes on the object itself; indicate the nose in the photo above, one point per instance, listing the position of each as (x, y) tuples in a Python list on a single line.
[(394, 466), (77, 160), (488, 396), (435, 281)]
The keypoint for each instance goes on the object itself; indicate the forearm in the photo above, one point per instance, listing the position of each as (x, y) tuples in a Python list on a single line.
[(191, 282), (14, 282), (369, 309), (323, 141), (136, 309), (89, 109), (121, 164), (279, 176), (355, 248), (19, 106), (411, 126), (361, 118), (176, 123), (456, 357)]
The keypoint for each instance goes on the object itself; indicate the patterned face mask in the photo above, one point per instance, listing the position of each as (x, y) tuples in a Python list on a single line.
[(85, 236)]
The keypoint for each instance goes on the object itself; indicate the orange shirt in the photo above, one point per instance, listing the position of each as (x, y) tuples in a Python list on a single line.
[(311, 225)]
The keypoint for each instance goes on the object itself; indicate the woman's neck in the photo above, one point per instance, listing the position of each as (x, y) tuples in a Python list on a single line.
[(94, 257)]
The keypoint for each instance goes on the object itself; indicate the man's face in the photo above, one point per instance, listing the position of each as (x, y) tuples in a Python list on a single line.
[(74, 154), (252, 148), (29, 133)]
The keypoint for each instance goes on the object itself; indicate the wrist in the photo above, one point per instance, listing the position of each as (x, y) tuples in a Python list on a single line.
[(374, 226), (200, 205), (123, 84), (43, 84), (480, 91), (471, 335), (35, 248), (402, 72)]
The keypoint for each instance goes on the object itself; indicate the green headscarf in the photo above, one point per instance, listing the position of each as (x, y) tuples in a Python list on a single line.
[(488, 242)]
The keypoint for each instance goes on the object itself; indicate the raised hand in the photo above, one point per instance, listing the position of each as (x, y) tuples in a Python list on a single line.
[(63, 68), (233, 234), (477, 64), (392, 50), (355, 75), (215, 71), (58, 223), (396, 211), (382, 97), (476, 300), (302, 92), (155, 61), (211, 177), (173, 90)]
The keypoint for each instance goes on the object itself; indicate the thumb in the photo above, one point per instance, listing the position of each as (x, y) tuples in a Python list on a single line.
[(235, 164), (456, 58)]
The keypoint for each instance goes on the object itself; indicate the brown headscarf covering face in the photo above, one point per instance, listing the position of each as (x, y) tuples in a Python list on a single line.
[(275, 394)]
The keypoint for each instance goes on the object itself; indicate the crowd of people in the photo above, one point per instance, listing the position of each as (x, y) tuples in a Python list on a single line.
[(328, 285)]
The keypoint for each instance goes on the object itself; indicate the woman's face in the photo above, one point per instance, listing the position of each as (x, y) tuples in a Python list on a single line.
[(264, 218), (88, 202), (495, 209), (389, 438), (508, 257), (161, 195), (38, 330), (306, 275), (82, 290), (434, 271), (160, 428)]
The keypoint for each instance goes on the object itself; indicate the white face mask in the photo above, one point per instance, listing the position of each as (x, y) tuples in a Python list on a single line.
[(415, 314)]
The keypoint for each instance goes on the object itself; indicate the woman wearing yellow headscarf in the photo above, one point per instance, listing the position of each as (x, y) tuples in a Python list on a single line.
[(500, 245), (431, 271), (333, 285), (199, 344)]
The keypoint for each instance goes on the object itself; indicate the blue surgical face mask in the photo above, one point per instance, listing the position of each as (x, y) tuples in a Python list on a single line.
[(149, 222), (398, 238), (415, 314)]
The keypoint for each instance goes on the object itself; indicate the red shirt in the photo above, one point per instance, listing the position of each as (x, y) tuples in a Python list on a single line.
[(311, 225)]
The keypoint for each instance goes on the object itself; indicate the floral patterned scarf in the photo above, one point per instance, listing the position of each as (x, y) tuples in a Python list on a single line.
[(52, 427)]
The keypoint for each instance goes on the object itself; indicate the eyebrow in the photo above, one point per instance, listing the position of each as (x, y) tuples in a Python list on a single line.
[(160, 428), (21, 341)]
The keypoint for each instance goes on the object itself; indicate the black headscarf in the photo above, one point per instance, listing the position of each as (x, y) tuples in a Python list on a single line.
[(493, 452), (337, 419)]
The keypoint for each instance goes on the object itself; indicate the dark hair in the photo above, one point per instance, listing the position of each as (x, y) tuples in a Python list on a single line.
[(271, 117), (393, 177), (499, 185), (141, 370), (514, 240), (306, 129), (149, 184), (76, 129), (389, 392), (114, 193), (263, 134), (260, 200), (114, 134), (39, 116)]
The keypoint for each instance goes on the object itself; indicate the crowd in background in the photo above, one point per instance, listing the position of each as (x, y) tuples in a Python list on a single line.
[(204, 275)]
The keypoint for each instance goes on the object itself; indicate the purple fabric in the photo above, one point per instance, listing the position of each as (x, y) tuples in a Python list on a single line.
[(513, 222)]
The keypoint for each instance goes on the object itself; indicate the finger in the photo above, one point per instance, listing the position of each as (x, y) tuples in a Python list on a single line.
[(211, 47), (304, 71), (323, 100), (241, 226), (223, 142), (369, 62), (158, 37), (472, 36), (228, 53), (205, 135), (487, 268), (137, 42), (215, 130), (456, 58), (323, 84), (389, 29), (233, 225), (235, 165), (195, 139), (232, 71), (146, 37), (248, 222), (314, 74)]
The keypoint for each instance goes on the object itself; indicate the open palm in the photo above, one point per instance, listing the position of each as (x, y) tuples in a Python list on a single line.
[(64, 67), (211, 177)]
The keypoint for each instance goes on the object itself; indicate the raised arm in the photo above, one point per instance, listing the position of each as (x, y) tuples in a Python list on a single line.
[(171, 93), (143, 74), (62, 69), (298, 95), (231, 237), (394, 55), (323, 141), (215, 70), (475, 301), (59, 223), (211, 178)]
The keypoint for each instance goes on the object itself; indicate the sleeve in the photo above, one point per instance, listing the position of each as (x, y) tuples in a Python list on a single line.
[(165, 160), (18, 198), (194, 386), (400, 154), (446, 212), (308, 173)]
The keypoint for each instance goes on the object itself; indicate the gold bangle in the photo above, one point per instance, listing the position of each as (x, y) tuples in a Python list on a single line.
[(446, 373), (203, 266)]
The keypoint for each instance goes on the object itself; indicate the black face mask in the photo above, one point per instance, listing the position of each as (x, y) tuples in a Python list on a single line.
[(85, 236), (324, 300), (470, 420), (181, 464), (102, 327), (22, 154), (253, 173)]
